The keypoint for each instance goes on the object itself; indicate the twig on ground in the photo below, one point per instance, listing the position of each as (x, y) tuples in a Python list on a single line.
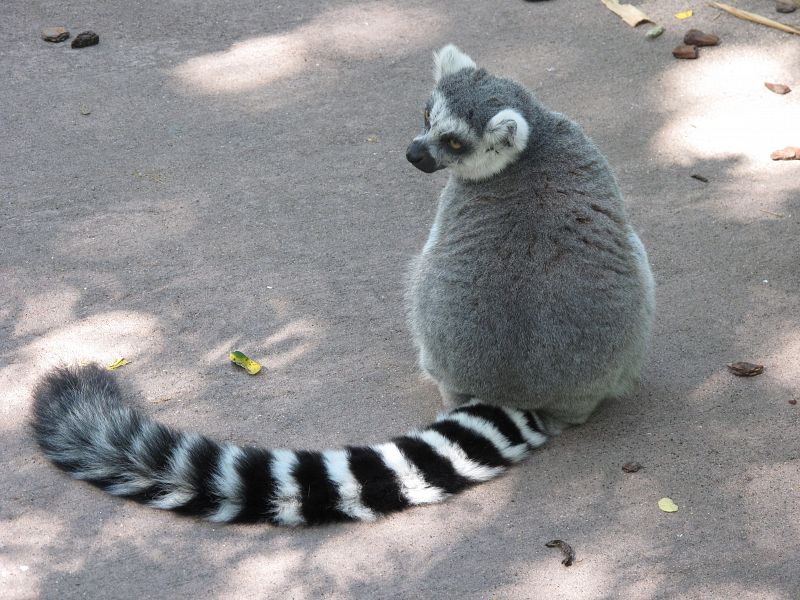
[(754, 18)]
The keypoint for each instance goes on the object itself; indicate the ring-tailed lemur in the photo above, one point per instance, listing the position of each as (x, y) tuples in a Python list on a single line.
[(530, 304)]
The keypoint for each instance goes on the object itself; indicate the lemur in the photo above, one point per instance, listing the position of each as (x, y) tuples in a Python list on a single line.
[(530, 303)]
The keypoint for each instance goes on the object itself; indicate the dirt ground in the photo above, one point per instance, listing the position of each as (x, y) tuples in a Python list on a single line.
[(218, 175)]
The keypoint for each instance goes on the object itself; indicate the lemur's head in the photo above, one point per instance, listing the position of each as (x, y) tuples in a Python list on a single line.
[(474, 122)]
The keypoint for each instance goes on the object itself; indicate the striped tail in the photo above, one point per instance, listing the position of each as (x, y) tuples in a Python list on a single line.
[(84, 427)]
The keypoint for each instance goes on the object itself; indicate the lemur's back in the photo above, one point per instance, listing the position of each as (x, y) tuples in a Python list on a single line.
[(533, 290)]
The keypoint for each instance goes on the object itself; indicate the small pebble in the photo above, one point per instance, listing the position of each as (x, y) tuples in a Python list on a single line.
[(792, 402), (685, 52), (656, 31), (631, 467), (87, 38), (785, 6), (85, 111), (54, 34)]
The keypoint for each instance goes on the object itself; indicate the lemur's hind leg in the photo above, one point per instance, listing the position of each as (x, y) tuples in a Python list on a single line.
[(451, 398)]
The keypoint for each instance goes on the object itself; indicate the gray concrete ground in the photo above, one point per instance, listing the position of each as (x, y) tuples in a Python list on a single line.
[(240, 182)]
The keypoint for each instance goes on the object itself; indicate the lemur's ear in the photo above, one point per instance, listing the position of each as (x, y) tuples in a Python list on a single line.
[(507, 128), (449, 60)]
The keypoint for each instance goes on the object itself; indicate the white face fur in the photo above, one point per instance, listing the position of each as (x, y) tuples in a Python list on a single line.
[(503, 139)]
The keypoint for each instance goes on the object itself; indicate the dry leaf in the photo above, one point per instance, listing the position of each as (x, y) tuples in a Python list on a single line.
[(629, 13), (160, 399), (684, 15), (788, 153), (667, 505), (120, 362), (566, 549), (152, 176), (778, 88), (746, 369)]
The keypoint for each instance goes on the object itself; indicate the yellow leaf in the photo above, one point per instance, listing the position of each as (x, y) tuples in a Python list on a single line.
[(248, 364), (120, 362), (667, 505), (684, 15)]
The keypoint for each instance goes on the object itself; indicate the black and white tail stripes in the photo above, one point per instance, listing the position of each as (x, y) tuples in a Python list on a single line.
[(84, 427)]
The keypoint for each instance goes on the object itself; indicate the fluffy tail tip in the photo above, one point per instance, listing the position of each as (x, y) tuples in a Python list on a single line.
[(66, 391)]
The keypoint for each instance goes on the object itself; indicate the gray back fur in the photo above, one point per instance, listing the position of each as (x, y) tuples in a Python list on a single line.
[(533, 290)]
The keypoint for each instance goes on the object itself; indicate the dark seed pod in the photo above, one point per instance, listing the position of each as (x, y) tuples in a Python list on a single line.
[(746, 369), (87, 38), (685, 52), (695, 37)]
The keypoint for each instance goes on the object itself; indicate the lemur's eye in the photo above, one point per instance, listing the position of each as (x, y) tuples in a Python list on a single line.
[(454, 144), (427, 116)]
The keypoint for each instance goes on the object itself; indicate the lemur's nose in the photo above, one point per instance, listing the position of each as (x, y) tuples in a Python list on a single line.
[(416, 152), (419, 156)]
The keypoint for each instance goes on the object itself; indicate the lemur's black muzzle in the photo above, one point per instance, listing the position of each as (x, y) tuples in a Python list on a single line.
[(419, 156)]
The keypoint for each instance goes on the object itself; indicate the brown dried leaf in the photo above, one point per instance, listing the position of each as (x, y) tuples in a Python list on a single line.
[(788, 153), (566, 549), (778, 88), (746, 369), (631, 467)]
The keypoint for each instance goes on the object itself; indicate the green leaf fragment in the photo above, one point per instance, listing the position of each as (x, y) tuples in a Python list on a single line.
[(248, 364), (667, 505)]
